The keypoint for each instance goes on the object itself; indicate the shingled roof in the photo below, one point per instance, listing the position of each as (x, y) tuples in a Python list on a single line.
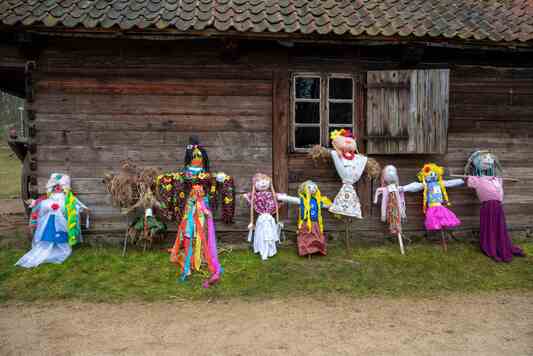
[(488, 20)]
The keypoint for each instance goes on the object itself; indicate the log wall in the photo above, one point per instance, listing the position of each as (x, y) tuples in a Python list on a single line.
[(98, 104), (490, 108), (96, 108)]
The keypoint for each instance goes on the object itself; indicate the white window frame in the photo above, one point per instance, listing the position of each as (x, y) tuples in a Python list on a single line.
[(324, 105)]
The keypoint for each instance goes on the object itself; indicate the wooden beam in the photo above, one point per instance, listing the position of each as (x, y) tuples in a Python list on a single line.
[(280, 127)]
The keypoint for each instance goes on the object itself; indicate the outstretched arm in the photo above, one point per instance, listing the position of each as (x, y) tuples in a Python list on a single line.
[(450, 183), (412, 187), (288, 199)]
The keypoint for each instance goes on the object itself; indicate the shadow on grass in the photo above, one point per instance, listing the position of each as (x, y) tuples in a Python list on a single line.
[(102, 275)]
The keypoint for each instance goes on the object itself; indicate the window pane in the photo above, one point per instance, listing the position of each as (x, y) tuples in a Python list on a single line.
[(307, 113), (340, 88), (305, 137), (307, 88), (340, 113), (338, 128)]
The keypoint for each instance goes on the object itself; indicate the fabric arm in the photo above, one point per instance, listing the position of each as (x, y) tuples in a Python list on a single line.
[(412, 187), (288, 199), (453, 183)]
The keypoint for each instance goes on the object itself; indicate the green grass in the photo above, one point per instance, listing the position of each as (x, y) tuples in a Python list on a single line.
[(102, 275), (10, 167)]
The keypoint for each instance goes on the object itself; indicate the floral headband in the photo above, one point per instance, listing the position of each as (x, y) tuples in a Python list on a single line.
[(428, 168), (342, 132)]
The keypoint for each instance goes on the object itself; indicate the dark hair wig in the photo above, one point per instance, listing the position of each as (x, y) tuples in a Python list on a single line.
[(194, 142)]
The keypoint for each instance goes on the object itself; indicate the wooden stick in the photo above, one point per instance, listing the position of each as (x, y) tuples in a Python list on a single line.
[(504, 178), (400, 241), (346, 233), (443, 240), (126, 236)]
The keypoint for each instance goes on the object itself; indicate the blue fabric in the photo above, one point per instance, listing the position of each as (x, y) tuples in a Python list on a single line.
[(314, 209), (50, 234), (434, 193)]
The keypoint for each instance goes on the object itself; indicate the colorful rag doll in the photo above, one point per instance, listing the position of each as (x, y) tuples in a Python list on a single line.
[(484, 174), (392, 202), (350, 166), (310, 234), (190, 196), (435, 197), (55, 223), (263, 200)]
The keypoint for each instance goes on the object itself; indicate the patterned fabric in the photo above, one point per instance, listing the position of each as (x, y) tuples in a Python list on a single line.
[(310, 242), (263, 202), (347, 202), (394, 218)]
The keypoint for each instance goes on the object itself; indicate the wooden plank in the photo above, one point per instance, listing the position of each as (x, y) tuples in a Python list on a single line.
[(280, 127), (166, 86), (219, 122), (153, 104), (100, 137)]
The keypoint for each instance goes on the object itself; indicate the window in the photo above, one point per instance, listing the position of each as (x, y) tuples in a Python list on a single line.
[(321, 103), (400, 111)]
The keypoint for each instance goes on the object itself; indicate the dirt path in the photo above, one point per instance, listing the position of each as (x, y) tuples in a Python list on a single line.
[(479, 325)]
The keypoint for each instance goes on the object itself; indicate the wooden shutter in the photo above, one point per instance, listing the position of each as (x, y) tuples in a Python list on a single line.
[(407, 111)]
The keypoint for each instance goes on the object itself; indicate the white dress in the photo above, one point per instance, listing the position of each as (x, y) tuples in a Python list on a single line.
[(347, 202), (265, 236), (50, 244)]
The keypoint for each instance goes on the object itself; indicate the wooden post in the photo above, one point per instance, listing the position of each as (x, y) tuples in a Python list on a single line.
[(347, 222), (280, 129), (400, 241), (443, 240), (125, 244)]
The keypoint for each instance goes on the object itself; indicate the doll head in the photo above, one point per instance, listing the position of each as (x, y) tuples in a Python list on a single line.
[(430, 173), (58, 183), (308, 188), (196, 155), (483, 163), (389, 175), (261, 182), (344, 143)]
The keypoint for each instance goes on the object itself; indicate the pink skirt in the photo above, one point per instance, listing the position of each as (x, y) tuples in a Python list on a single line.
[(439, 217)]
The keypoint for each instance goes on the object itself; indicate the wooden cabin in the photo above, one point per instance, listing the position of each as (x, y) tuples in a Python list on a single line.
[(261, 81)]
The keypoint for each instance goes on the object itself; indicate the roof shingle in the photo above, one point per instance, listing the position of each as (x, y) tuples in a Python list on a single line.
[(492, 20)]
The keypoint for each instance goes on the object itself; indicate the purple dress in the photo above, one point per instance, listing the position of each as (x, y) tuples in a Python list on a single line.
[(494, 239)]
